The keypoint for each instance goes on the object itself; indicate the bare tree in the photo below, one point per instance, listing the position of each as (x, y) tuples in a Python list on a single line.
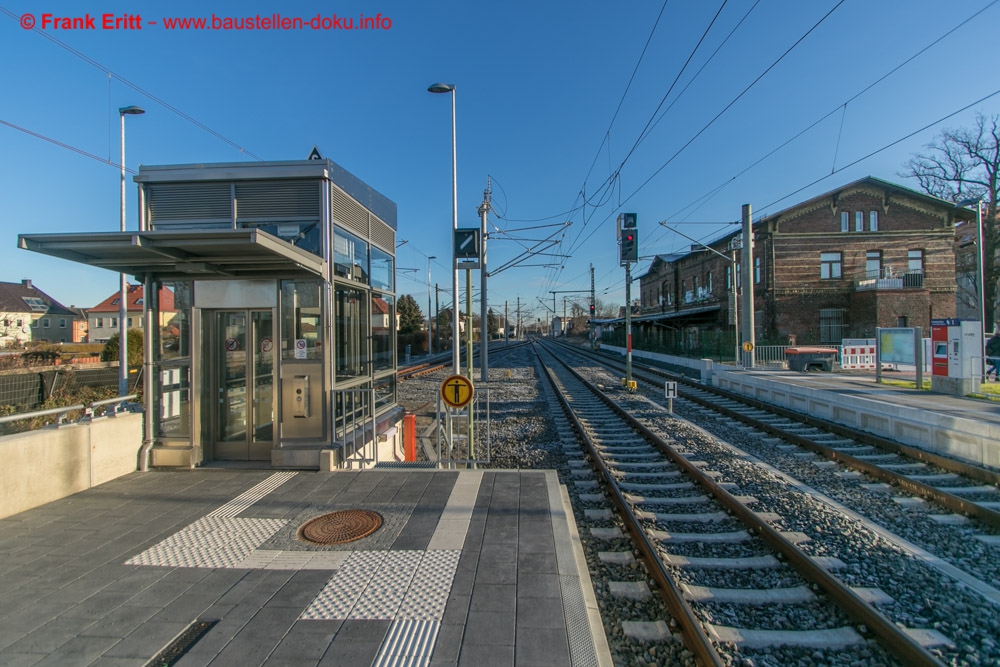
[(965, 164)]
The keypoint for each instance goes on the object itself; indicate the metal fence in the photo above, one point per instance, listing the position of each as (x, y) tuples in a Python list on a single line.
[(27, 390), (718, 346)]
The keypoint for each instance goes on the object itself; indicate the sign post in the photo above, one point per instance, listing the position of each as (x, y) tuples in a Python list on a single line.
[(670, 391), (457, 392)]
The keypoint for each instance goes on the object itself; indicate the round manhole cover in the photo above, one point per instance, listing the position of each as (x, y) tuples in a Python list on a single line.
[(340, 527)]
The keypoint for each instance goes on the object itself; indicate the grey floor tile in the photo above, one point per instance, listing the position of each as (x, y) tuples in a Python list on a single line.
[(456, 610), (449, 642), (542, 647), (21, 659), (489, 627), (119, 622), (354, 630), (78, 651), (537, 585), (146, 641), (463, 582), (488, 573), (540, 613), (349, 653), (494, 597), (302, 646), (477, 655), (50, 636)]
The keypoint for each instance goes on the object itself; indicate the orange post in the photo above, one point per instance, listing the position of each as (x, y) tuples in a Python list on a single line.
[(410, 437)]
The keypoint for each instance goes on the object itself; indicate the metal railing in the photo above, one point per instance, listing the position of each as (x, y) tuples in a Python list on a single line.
[(89, 410), (886, 278)]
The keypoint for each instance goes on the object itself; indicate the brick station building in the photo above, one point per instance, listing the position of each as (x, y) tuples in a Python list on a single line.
[(868, 254)]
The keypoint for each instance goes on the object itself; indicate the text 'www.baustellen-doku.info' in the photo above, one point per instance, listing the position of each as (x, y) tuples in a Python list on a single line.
[(58, 22)]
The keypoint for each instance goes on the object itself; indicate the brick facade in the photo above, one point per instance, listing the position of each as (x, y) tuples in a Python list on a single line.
[(870, 254)]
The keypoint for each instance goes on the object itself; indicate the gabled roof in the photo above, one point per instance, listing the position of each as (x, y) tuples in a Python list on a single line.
[(960, 212), (661, 259), (13, 299), (135, 295)]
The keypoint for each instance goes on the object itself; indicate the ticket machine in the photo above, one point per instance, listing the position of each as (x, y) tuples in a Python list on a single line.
[(956, 356)]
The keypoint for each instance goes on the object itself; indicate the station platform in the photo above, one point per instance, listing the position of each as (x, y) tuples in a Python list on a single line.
[(865, 385), (959, 426), (466, 567)]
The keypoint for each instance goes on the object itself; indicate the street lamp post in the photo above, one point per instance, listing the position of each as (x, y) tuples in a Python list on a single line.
[(430, 341), (450, 88), (123, 287)]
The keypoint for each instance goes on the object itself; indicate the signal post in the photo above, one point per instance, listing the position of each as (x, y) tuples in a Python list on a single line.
[(628, 252)]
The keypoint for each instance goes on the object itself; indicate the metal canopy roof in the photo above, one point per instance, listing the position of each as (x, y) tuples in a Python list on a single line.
[(669, 315), (182, 255)]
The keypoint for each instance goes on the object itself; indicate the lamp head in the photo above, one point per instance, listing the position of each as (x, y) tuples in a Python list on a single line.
[(431, 257), (131, 111), (441, 88)]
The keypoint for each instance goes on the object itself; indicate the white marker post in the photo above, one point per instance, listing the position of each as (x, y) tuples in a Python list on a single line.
[(670, 391)]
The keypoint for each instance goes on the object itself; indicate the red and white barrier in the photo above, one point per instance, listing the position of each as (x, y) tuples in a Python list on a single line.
[(858, 357)]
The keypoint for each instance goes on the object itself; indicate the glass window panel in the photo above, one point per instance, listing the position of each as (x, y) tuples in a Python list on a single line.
[(873, 221), (873, 264), (829, 265), (172, 349), (305, 235), (844, 221), (301, 319), (350, 256), (859, 221), (382, 272), (383, 331), (385, 392), (351, 335)]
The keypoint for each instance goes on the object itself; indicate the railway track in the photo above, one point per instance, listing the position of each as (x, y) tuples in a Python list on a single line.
[(654, 488), (962, 488)]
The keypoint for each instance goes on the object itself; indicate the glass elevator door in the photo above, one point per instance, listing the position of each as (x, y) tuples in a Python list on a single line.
[(243, 391)]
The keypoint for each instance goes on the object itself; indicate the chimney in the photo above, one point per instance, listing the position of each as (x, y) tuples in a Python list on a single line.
[(26, 283)]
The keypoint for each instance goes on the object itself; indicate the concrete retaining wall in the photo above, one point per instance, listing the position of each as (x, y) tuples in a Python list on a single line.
[(52, 463), (969, 439)]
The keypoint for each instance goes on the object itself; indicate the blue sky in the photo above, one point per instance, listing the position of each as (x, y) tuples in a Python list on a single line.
[(538, 86)]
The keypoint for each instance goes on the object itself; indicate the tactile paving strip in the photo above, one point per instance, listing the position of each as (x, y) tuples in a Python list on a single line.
[(401, 585), (210, 542), (218, 539), (408, 643), (249, 497)]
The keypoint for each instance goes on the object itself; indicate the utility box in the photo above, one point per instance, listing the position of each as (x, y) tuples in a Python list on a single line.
[(804, 359), (956, 356)]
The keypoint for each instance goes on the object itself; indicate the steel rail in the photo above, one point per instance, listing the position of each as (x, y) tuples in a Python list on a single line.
[(694, 634), (891, 636), (953, 502)]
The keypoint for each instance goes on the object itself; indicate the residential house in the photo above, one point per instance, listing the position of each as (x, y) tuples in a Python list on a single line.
[(28, 314), (102, 319)]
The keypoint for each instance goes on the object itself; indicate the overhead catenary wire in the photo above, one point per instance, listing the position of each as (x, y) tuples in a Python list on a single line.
[(582, 239), (134, 86), (39, 135)]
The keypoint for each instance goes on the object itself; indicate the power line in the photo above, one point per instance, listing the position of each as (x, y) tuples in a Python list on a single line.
[(166, 105), (885, 147), (66, 146), (635, 69), (711, 193)]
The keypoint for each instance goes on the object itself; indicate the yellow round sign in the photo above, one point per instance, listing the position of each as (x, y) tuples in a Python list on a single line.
[(457, 391), (748, 346)]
